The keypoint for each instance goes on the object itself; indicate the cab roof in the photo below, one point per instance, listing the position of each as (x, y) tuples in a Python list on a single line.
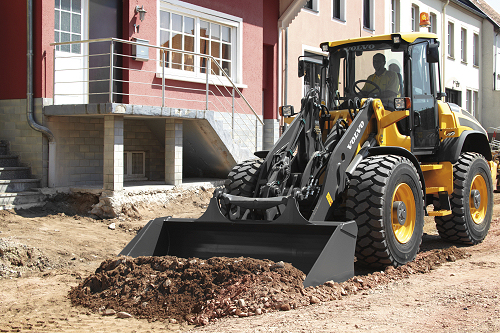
[(409, 37)]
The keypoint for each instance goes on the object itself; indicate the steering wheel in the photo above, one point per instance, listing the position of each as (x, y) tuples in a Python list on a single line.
[(367, 93)]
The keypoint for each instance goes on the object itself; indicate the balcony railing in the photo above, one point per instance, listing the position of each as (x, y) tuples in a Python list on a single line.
[(110, 70)]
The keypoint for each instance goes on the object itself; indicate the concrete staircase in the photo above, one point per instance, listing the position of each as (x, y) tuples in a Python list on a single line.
[(17, 189)]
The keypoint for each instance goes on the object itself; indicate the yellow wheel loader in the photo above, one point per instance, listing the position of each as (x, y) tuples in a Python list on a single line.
[(352, 177)]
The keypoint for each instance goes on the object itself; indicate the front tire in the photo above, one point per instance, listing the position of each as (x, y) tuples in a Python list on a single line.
[(385, 198), (471, 202), (242, 179)]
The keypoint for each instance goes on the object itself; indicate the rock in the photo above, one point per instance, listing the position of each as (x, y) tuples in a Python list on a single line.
[(123, 315), (279, 264), (285, 307), (258, 311), (112, 226), (241, 302), (314, 300), (109, 312), (329, 283), (201, 321)]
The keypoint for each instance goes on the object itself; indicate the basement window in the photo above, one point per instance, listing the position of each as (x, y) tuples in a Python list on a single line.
[(134, 165)]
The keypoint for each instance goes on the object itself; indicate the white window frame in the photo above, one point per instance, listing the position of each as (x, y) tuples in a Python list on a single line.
[(433, 23), (475, 102), (463, 45), (395, 17), (59, 29), (371, 17), (475, 49), (205, 14), (315, 6), (341, 11), (451, 40), (415, 18), (468, 100), (127, 163)]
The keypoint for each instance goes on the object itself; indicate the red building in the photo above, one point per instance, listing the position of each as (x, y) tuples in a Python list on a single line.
[(104, 91)]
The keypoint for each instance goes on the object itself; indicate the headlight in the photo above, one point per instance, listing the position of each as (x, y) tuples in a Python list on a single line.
[(286, 111), (402, 103)]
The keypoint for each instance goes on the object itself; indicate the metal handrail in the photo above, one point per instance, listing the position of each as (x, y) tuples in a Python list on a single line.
[(162, 49)]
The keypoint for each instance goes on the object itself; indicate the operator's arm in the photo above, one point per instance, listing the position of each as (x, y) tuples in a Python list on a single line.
[(368, 87), (391, 88)]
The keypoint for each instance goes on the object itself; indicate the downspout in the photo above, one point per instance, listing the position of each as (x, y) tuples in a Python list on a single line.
[(285, 101), (30, 106), (443, 34), (495, 60)]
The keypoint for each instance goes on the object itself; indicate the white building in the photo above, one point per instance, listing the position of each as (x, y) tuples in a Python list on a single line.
[(469, 36)]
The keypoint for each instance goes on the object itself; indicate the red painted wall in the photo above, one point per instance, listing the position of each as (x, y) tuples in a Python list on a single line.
[(13, 55), (270, 74)]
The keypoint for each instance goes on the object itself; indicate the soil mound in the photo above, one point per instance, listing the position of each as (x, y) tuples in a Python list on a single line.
[(18, 259), (200, 291)]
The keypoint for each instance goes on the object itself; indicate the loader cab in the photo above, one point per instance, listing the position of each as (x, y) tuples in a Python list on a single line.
[(386, 68)]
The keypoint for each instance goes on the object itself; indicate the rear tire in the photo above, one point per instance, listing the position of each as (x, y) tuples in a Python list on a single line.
[(243, 177), (379, 187), (470, 220)]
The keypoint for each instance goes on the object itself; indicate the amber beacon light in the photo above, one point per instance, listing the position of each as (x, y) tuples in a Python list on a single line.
[(424, 19)]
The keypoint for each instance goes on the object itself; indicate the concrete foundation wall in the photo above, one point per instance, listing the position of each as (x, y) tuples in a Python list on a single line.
[(79, 157), (271, 133), (140, 137), (247, 130), (28, 144)]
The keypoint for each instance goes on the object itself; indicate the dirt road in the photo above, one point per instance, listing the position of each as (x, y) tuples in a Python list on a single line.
[(54, 251)]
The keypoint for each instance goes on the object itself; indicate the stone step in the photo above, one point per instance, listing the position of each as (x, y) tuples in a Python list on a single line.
[(18, 185), (9, 161), (21, 200), (7, 173)]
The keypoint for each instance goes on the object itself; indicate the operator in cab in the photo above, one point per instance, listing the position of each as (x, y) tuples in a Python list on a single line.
[(386, 85)]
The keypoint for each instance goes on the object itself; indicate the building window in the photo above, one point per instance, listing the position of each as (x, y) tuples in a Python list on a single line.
[(475, 50), (433, 23), (312, 77), (468, 100), (134, 165), (68, 24), (463, 45), (312, 5), (415, 18), (451, 40), (338, 9), (394, 16), (475, 101), (454, 96), (368, 12), (200, 31)]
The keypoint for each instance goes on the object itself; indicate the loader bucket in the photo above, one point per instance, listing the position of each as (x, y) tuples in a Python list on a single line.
[(322, 250)]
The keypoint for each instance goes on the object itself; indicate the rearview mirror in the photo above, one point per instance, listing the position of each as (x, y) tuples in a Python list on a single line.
[(432, 53), (302, 69)]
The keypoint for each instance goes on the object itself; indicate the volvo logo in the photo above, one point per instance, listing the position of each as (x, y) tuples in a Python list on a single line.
[(355, 135), (360, 47)]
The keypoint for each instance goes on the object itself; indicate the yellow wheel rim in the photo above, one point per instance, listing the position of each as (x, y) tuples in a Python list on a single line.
[(403, 232), (478, 205)]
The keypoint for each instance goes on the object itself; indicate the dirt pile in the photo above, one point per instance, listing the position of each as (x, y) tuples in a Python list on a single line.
[(18, 259), (199, 291)]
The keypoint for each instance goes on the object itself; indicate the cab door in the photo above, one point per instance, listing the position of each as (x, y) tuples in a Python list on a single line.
[(425, 134)]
